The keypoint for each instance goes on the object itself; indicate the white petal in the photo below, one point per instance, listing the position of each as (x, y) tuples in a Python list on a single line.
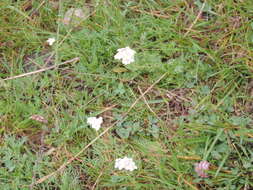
[(118, 56), (127, 61)]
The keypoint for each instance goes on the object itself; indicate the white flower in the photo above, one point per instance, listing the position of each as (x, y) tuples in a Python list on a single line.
[(51, 41), (126, 55), (95, 123), (125, 163)]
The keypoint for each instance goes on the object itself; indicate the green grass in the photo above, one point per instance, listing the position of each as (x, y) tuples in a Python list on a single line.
[(201, 109)]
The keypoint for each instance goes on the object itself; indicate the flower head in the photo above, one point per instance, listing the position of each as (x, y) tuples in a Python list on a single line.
[(125, 163), (126, 55), (51, 41), (95, 123), (201, 167)]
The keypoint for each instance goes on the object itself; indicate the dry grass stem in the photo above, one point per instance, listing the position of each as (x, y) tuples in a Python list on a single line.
[(74, 60)]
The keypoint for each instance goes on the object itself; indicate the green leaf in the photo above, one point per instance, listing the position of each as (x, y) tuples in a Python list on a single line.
[(119, 69), (10, 165), (117, 179), (154, 130), (123, 132), (120, 90)]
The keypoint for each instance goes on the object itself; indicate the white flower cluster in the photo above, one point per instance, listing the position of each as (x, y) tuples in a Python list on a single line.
[(51, 41), (95, 123), (126, 55), (125, 163)]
